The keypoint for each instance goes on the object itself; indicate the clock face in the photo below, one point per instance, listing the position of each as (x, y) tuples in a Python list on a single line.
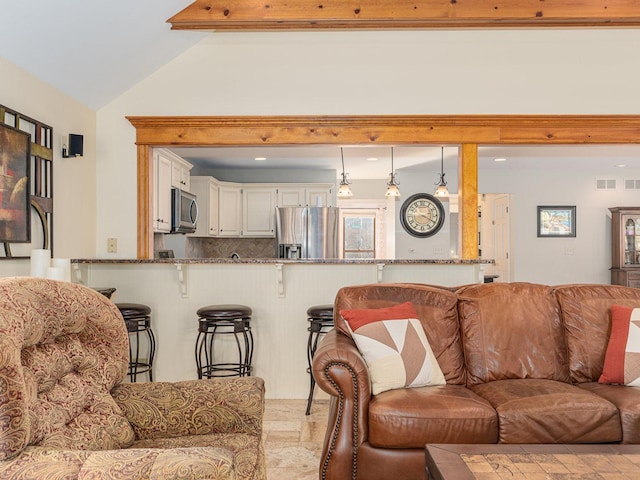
[(422, 215)]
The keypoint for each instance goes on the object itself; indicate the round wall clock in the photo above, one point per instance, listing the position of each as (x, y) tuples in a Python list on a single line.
[(422, 215)]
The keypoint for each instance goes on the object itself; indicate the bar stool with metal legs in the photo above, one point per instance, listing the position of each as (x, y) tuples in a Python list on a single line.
[(137, 318), (222, 320), (320, 318)]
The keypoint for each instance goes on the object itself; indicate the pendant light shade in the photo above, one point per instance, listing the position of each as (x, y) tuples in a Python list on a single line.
[(344, 191), (442, 190), (392, 184)]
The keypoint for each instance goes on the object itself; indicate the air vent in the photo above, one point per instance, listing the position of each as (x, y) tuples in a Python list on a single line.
[(632, 184), (604, 184)]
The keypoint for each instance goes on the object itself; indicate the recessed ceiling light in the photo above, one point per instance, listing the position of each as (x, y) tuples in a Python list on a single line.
[(621, 165), (372, 159), (499, 159), (260, 159)]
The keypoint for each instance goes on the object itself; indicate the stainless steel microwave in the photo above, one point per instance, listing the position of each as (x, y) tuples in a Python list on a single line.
[(184, 211)]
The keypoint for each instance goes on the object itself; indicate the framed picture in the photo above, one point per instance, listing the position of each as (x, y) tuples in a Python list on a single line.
[(556, 221), (15, 204)]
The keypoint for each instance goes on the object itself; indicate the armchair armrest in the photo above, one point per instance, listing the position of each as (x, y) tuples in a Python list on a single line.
[(195, 407), (340, 370)]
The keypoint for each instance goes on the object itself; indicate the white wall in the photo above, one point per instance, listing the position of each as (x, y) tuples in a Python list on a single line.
[(74, 179), (400, 72), (547, 260)]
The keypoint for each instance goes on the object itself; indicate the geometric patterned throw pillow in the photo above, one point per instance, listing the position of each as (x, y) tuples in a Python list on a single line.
[(394, 346), (622, 360)]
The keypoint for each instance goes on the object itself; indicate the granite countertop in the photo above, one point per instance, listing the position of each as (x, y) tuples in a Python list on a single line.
[(272, 261)]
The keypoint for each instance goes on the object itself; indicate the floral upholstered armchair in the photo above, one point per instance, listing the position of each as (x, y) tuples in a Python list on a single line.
[(64, 413)]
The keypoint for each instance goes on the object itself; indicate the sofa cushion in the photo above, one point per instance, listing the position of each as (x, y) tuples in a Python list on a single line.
[(63, 347), (627, 400), (411, 418), (622, 360), (547, 411), (586, 313), (436, 309), (393, 343), (510, 331), (246, 450)]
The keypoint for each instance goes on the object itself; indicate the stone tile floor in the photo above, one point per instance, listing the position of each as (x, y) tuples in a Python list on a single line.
[(293, 440)]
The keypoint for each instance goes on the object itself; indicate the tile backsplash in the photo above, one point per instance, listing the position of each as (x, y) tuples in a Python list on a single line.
[(225, 247), (199, 247)]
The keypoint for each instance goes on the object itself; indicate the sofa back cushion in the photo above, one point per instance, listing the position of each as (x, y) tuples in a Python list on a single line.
[(586, 312), (62, 349), (511, 330), (435, 308)]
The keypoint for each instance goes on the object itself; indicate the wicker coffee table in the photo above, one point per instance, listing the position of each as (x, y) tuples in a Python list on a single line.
[(532, 462)]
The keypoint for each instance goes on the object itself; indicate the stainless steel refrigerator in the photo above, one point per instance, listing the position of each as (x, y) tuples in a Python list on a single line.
[(307, 232)]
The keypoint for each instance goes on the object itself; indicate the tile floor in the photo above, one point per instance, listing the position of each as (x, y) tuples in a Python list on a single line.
[(293, 440)]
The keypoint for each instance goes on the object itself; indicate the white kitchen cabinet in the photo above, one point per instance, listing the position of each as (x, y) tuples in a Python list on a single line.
[(206, 190), (161, 193), (180, 169), (180, 174), (301, 195), (292, 196), (318, 196), (258, 211), (229, 210)]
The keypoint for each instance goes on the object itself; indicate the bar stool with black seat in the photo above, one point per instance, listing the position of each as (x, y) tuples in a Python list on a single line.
[(137, 318), (222, 321), (320, 318)]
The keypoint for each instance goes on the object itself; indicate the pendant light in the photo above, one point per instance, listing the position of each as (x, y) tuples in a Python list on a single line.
[(441, 191), (344, 191), (392, 184)]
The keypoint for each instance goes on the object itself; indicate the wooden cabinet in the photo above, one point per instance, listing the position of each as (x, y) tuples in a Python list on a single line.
[(258, 211), (301, 195), (318, 196), (625, 246), (206, 189), (161, 193), (180, 169), (229, 210), (169, 171), (290, 196), (180, 174)]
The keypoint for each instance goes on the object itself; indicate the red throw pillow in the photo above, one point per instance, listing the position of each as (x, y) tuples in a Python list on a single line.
[(358, 318), (622, 359)]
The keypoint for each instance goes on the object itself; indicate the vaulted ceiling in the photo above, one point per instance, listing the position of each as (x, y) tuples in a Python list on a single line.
[(95, 51)]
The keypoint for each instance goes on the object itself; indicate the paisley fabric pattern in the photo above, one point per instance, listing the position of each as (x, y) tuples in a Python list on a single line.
[(155, 410), (224, 413), (64, 348), (65, 415)]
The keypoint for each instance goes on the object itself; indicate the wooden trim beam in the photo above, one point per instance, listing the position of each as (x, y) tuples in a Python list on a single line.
[(472, 130), (145, 202), (468, 199), (257, 15), (387, 129)]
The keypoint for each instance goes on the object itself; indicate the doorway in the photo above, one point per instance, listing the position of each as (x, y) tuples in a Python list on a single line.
[(494, 234)]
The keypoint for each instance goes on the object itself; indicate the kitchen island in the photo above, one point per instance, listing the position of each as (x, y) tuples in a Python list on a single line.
[(279, 291)]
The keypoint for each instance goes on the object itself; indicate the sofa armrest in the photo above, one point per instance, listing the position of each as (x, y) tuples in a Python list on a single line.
[(340, 370), (195, 407), (135, 463)]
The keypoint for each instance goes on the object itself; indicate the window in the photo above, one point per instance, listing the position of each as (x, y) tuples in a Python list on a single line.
[(359, 239)]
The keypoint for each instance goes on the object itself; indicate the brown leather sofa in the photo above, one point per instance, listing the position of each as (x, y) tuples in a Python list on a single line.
[(521, 363), (65, 412)]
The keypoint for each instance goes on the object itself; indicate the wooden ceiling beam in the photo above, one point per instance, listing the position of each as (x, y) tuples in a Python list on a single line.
[(259, 15), (387, 130)]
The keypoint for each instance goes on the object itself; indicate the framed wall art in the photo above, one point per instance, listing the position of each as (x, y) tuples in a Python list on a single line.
[(15, 204), (556, 221)]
